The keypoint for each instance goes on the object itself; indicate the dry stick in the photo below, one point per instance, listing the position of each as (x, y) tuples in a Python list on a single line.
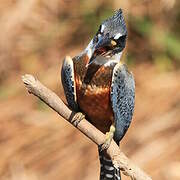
[(51, 99)]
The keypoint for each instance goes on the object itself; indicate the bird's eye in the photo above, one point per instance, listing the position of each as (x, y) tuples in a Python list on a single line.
[(99, 30)]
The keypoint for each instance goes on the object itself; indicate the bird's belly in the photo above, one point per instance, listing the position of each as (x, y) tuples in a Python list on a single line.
[(93, 87), (95, 103)]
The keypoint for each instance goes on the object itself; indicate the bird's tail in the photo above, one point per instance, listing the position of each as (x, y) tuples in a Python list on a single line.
[(108, 170)]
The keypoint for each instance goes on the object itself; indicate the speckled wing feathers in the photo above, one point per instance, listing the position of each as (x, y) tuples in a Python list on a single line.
[(122, 98), (67, 77)]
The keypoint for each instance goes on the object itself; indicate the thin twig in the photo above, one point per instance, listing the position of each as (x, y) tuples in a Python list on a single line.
[(52, 100)]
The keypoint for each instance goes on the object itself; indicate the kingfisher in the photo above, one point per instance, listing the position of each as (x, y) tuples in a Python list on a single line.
[(100, 86)]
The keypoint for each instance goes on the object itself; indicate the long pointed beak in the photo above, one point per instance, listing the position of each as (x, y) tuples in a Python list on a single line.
[(91, 60), (91, 52), (98, 48), (103, 42)]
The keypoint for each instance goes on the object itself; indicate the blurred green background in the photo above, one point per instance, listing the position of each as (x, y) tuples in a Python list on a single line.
[(35, 36)]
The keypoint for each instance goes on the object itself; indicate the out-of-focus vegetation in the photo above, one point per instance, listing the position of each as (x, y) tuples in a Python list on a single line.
[(35, 36)]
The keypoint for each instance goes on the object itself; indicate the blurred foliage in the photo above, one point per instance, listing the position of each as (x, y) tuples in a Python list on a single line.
[(153, 30), (166, 43)]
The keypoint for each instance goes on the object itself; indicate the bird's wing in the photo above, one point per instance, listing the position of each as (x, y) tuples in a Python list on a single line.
[(122, 99), (68, 82)]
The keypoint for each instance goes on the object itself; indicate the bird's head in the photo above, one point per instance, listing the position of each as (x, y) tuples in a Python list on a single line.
[(110, 39)]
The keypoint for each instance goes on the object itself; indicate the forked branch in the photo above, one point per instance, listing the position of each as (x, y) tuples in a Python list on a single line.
[(52, 100)]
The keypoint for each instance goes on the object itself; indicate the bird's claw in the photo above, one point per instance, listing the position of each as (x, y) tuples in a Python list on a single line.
[(77, 118), (109, 137), (106, 144)]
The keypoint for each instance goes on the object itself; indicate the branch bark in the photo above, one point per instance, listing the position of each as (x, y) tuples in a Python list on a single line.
[(52, 100)]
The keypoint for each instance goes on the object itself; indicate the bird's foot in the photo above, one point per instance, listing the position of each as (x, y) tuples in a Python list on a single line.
[(77, 118), (109, 137)]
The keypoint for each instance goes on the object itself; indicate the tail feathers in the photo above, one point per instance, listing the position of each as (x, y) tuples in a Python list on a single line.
[(108, 170)]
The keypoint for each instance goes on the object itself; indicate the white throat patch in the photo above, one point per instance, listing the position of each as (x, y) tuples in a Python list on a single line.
[(114, 59), (107, 61)]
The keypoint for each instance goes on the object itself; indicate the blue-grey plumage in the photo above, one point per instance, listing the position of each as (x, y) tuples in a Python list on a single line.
[(67, 78), (122, 98), (96, 83)]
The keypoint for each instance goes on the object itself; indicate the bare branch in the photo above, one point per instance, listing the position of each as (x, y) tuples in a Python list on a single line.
[(52, 100)]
